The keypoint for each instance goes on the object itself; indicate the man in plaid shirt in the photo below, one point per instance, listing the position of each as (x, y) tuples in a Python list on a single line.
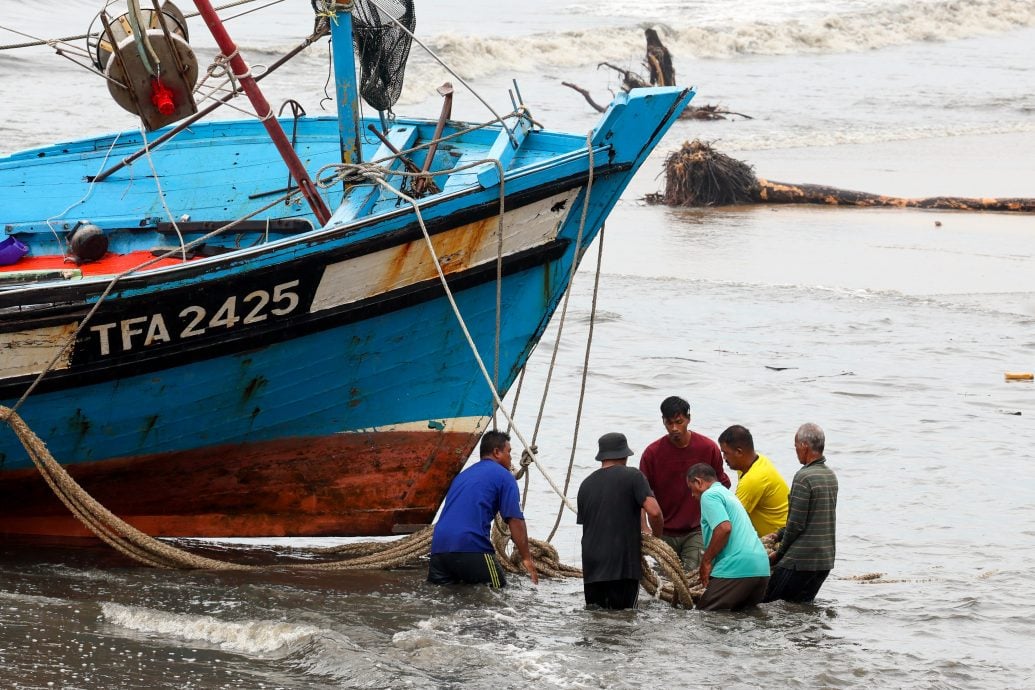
[(806, 553)]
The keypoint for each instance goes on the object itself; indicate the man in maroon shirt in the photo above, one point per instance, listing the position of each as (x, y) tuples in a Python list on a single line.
[(664, 463)]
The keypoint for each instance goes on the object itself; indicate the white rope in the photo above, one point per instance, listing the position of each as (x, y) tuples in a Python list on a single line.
[(49, 42), (220, 68), (467, 334), (233, 93), (499, 286), (567, 296), (89, 191), (377, 173), (161, 194), (582, 386)]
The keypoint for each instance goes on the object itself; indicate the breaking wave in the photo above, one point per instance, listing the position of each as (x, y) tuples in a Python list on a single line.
[(815, 137), (313, 651), (252, 638), (448, 641), (850, 32)]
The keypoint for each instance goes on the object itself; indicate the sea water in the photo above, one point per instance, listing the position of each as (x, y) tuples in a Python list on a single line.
[(890, 328)]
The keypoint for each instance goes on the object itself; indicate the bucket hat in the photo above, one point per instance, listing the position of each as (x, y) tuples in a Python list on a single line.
[(613, 446)]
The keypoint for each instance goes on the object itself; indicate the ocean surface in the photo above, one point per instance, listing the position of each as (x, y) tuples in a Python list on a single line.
[(890, 328)]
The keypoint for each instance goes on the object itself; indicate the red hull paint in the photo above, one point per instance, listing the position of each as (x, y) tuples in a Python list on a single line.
[(355, 484), (109, 264)]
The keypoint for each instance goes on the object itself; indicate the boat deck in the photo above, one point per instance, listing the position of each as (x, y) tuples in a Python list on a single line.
[(201, 165)]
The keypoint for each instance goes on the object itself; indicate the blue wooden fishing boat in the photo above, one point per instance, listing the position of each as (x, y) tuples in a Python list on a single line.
[(279, 367)]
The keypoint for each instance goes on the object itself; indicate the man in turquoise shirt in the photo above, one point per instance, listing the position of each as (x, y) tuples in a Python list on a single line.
[(734, 568)]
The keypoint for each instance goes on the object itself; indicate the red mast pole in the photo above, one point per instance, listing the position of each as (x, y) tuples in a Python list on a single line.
[(263, 110)]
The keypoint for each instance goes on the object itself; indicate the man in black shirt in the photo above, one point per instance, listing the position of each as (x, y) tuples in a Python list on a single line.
[(609, 503)]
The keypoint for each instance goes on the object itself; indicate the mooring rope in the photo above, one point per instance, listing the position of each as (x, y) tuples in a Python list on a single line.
[(682, 589), (464, 329), (582, 384), (499, 288), (140, 547), (564, 308), (148, 550), (355, 173)]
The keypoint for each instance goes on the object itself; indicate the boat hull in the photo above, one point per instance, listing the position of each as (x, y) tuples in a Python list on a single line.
[(349, 417), (320, 384), (349, 484)]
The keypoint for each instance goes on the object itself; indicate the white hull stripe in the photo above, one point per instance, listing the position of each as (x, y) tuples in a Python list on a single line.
[(458, 249), (469, 425), (29, 352)]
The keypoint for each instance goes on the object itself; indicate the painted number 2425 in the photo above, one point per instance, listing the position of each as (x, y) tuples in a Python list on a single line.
[(144, 331), (253, 308)]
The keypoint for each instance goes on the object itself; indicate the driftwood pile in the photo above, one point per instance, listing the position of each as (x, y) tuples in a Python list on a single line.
[(698, 175)]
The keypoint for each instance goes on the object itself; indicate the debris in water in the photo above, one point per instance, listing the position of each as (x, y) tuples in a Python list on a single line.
[(698, 175)]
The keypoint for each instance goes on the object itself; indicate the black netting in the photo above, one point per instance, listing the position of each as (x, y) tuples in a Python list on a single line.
[(382, 46)]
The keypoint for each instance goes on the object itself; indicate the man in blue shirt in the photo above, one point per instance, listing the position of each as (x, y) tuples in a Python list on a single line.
[(734, 568), (460, 546)]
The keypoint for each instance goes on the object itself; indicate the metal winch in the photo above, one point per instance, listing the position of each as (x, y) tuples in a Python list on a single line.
[(150, 66)]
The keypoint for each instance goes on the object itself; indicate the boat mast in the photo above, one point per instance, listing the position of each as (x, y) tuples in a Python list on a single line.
[(264, 111), (345, 80)]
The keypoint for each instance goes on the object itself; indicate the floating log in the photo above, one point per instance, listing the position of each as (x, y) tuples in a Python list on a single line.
[(783, 193), (698, 175)]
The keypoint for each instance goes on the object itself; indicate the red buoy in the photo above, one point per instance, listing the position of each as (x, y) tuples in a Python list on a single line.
[(162, 97)]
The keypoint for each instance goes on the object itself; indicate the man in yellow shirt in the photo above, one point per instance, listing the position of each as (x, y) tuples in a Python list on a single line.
[(760, 488)]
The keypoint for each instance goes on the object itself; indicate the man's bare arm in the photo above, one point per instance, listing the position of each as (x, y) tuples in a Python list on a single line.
[(519, 533)]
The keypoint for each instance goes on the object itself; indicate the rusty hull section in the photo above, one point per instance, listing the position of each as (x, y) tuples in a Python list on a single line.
[(350, 484)]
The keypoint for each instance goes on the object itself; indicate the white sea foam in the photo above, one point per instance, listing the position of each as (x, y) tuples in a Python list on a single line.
[(448, 637), (475, 56), (37, 600), (253, 638), (805, 138)]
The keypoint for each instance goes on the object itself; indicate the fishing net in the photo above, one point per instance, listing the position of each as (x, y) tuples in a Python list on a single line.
[(383, 46)]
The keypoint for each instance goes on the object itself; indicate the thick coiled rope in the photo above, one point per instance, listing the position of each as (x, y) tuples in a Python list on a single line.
[(145, 549)]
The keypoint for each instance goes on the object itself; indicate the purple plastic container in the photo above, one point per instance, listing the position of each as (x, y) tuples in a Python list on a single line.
[(11, 250)]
